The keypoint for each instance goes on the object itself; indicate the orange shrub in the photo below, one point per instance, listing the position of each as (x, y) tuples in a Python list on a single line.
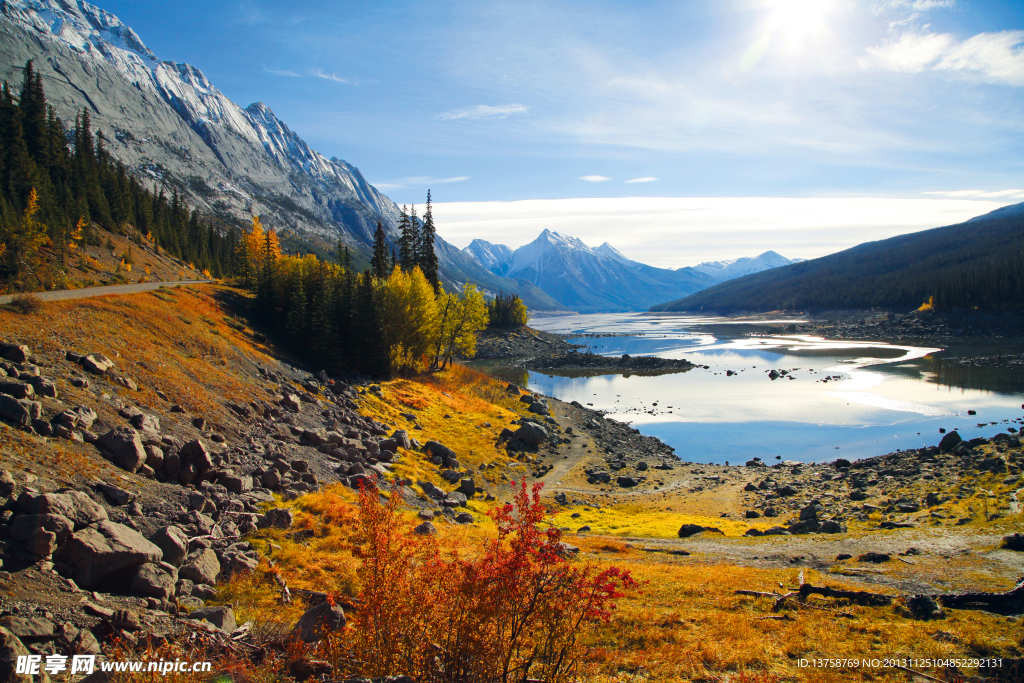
[(518, 610)]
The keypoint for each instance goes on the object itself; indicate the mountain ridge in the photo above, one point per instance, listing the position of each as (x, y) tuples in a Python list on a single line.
[(171, 126)]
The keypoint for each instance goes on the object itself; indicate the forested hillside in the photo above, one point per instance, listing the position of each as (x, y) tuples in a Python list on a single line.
[(978, 264), (58, 187)]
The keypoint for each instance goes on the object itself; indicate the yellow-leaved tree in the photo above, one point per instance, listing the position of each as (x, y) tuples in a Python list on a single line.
[(23, 241), (459, 318), (250, 250), (408, 312)]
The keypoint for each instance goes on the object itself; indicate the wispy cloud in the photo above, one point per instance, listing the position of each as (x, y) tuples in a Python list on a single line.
[(485, 111), (419, 181), (645, 179), (594, 178), (282, 72), (1015, 193), (988, 57), (680, 231), (319, 73), (911, 5)]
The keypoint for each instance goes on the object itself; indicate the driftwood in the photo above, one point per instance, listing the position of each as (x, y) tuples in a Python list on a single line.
[(1010, 602)]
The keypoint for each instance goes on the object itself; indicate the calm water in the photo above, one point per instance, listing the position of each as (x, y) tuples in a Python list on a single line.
[(883, 397)]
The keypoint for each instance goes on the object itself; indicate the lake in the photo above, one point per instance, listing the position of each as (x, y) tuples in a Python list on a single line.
[(836, 398)]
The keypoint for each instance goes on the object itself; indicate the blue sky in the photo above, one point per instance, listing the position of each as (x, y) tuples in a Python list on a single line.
[(490, 103)]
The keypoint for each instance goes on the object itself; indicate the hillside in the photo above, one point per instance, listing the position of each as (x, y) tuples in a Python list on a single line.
[(194, 478), (979, 264)]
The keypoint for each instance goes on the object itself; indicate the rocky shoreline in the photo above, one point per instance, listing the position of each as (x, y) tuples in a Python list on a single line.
[(915, 325)]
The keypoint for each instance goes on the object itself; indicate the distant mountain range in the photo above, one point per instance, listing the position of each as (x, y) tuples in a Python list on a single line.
[(173, 128), (976, 264), (589, 279)]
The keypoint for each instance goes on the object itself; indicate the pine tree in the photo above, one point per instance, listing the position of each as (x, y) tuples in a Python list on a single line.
[(427, 256), (379, 263)]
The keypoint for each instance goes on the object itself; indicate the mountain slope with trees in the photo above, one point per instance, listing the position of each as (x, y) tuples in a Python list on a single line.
[(977, 264)]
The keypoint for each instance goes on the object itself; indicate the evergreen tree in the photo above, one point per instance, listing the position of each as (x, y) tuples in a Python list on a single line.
[(379, 264), (427, 256)]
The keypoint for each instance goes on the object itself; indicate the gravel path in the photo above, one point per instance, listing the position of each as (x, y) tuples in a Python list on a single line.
[(86, 292)]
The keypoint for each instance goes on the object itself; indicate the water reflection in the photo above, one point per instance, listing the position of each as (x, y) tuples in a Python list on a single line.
[(837, 398)]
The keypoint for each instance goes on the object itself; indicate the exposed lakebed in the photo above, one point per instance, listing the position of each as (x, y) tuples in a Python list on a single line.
[(830, 399)]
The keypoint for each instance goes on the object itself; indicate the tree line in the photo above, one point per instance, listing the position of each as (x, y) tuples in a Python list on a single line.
[(978, 264), (59, 187), (394, 318)]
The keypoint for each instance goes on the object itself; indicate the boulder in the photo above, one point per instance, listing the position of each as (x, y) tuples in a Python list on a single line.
[(467, 487), (44, 387), (440, 450), (455, 499), (97, 552), (155, 580), (97, 363), (776, 531), (116, 494), (17, 353), (20, 412), (1013, 542), (810, 512), (11, 649), (318, 621), (431, 490), (950, 441), (401, 437), (627, 482), (201, 566), (787, 490), (196, 454), (173, 543), (221, 617), (154, 457), (23, 526), (124, 447), (17, 389), (146, 423), (425, 529), (752, 514), (874, 558), (73, 505), (830, 526), (754, 532), (42, 543), (532, 434), (925, 608), (687, 530), (277, 518)]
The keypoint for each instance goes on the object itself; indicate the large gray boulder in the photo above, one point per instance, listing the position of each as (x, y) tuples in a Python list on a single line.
[(440, 450), (532, 434), (19, 411), (950, 441), (73, 505), (97, 363), (196, 454), (11, 648), (23, 526), (401, 437), (123, 447), (155, 580), (18, 353), (277, 518), (221, 617), (201, 566), (173, 543), (97, 552), (319, 621)]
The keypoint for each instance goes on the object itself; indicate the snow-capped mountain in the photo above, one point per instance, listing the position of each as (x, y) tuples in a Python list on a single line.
[(602, 278), (168, 123), (494, 257), (586, 279), (746, 265)]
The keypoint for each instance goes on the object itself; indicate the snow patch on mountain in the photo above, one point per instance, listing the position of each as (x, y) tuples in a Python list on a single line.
[(494, 257), (746, 265)]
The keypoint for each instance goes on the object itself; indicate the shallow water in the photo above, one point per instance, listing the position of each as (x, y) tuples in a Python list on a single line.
[(883, 397)]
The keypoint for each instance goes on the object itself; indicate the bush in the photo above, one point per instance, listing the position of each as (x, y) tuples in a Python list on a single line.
[(25, 303), (519, 610)]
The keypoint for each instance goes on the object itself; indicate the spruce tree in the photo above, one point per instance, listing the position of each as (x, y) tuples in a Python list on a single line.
[(380, 253), (427, 256)]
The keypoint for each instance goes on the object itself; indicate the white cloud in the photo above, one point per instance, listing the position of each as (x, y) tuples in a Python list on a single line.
[(594, 178), (988, 57), (645, 179), (484, 111), (670, 232), (419, 181), (911, 5), (282, 72), (319, 73)]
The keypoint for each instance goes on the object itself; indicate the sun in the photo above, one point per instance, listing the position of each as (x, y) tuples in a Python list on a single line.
[(798, 20)]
